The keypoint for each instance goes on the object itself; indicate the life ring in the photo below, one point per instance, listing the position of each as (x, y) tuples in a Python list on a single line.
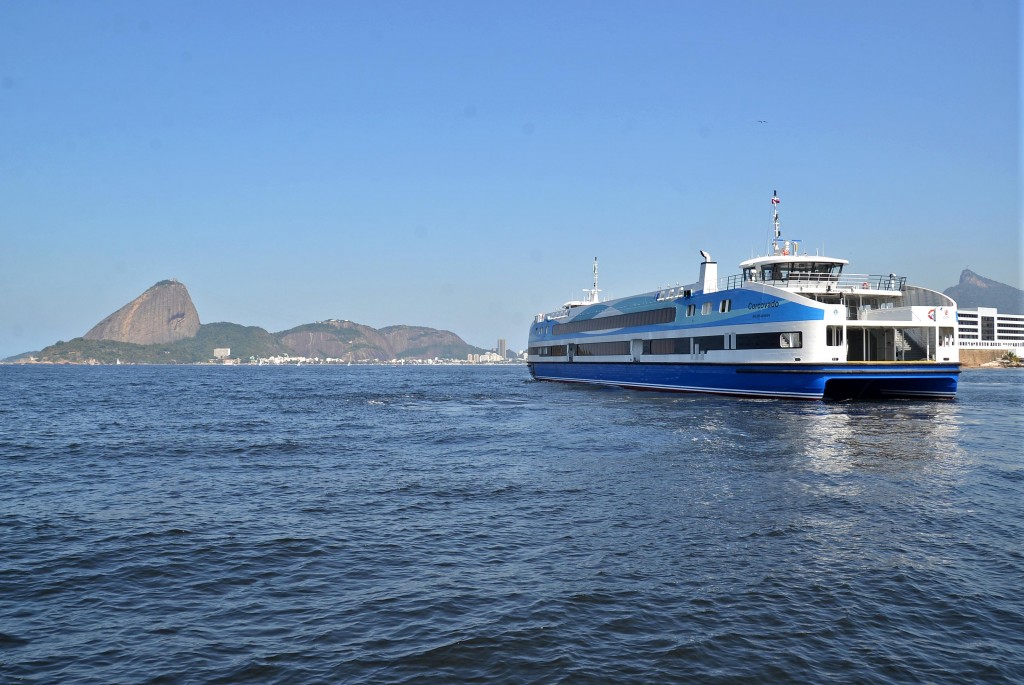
[(864, 285)]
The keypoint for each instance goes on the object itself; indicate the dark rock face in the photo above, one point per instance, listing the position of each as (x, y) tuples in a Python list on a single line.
[(162, 314)]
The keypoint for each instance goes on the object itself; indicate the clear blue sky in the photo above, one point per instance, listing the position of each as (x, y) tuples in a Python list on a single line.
[(460, 164)]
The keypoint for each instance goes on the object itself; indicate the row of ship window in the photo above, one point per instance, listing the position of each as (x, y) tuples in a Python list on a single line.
[(691, 345), (645, 318)]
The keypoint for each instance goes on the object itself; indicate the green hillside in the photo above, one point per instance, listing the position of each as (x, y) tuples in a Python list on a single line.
[(340, 340), (244, 341)]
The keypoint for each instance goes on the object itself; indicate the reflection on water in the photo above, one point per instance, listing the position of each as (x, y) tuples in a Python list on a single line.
[(839, 437)]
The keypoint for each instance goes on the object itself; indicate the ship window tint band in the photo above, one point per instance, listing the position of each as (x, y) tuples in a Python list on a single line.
[(770, 341), (549, 351), (706, 343), (647, 318), (667, 346), (597, 349)]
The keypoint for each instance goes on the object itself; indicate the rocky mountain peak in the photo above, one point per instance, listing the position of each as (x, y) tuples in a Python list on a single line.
[(162, 314), (975, 290)]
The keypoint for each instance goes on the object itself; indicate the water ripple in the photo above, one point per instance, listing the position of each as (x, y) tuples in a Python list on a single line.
[(363, 525)]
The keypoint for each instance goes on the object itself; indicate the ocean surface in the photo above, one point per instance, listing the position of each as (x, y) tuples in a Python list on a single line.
[(467, 524)]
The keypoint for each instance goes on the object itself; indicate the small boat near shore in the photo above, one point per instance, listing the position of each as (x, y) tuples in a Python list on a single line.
[(789, 325)]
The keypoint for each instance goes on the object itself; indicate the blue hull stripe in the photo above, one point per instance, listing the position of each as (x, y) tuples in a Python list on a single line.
[(812, 381)]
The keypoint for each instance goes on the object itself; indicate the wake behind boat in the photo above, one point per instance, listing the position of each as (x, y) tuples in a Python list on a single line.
[(790, 325)]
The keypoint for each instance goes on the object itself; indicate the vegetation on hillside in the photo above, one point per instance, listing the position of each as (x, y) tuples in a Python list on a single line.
[(252, 341)]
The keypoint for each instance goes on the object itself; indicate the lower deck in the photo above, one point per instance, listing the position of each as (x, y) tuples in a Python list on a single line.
[(857, 380)]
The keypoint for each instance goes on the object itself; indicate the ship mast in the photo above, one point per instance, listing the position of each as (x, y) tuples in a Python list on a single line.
[(780, 246), (775, 221), (593, 291)]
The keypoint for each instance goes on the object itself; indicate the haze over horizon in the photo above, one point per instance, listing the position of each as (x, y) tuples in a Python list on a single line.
[(458, 166)]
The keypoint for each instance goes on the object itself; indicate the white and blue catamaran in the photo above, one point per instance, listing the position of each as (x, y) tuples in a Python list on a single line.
[(790, 325)]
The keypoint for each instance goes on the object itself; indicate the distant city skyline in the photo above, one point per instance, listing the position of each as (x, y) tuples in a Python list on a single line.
[(458, 165)]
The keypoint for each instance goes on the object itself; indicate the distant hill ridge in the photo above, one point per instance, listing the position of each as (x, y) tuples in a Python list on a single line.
[(977, 291), (162, 326)]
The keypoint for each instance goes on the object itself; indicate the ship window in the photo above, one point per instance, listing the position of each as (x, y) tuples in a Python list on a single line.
[(691, 309), (667, 346), (705, 308), (704, 343), (790, 340), (724, 306), (757, 341), (592, 349), (645, 318), (549, 351), (833, 336), (770, 341)]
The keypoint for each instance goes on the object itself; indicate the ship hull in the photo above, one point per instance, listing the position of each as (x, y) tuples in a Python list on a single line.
[(866, 380)]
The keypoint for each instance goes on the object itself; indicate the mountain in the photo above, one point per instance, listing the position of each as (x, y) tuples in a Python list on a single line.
[(338, 340), (161, 326), (351, 341), (244, 341), (341, 340), (417, 342), (977, 291), (162, 314)]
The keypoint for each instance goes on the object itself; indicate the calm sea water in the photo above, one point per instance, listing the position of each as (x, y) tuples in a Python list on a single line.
[(467, 524)]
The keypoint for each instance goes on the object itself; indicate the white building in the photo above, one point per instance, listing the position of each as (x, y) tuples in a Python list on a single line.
[(985, 328)]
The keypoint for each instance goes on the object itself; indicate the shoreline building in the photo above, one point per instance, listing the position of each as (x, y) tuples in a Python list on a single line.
[(984, 328)]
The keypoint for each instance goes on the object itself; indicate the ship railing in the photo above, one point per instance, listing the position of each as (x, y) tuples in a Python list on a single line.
[(559, 314), (829, 282)]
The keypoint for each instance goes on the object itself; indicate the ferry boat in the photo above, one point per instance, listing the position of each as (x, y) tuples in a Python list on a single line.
[(789, 325)]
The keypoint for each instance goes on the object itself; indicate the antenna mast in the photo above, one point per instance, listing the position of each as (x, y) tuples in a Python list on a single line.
[(594, 291), (775, 221), (775, 213)]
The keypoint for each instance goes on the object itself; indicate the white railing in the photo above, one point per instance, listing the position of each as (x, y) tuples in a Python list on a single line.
[(849, 282), (560, 314)]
